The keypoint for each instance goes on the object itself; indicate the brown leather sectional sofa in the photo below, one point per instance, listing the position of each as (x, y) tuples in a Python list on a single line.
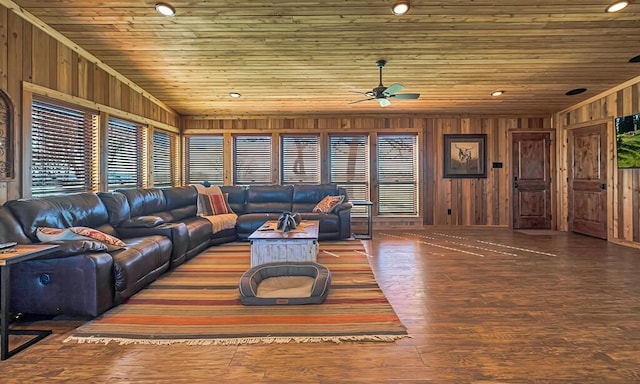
[(159, 227)]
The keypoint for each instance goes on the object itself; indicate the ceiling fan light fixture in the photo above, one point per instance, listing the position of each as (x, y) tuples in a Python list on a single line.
[(617, 6), (497, 93), (165, 9), (400, 7)]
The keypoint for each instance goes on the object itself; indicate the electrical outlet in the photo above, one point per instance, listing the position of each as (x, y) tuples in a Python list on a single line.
[(449, 211)]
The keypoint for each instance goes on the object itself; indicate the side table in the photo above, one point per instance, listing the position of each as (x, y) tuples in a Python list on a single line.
[(8, 257), (369, 207)]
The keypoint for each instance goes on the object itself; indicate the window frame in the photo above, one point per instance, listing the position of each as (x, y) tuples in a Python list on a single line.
[(89, 182), (166, 166), (139, 148), (215, 148), (361, 188), (256, 160), (398, 168), (301, 154)]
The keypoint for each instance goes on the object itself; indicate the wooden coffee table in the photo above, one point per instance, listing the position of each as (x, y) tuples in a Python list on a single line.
[(269, 244)]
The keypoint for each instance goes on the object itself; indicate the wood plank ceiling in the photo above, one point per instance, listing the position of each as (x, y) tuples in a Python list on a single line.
[(313, 57)]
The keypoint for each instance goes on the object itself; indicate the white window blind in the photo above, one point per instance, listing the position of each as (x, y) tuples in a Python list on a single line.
[(397, 174), (349, 166), (300, 159), (63, 142), (161, 159), (125, 150), (205, 159), (252, 160)]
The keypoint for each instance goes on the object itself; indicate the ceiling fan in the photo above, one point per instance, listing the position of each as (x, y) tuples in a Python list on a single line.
[(383, 94)]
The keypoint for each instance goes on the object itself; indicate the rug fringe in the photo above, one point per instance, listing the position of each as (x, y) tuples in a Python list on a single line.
[(235, 341)]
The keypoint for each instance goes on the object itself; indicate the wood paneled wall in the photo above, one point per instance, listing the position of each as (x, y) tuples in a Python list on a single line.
[(484, 202), (32, 59), (623, 185)]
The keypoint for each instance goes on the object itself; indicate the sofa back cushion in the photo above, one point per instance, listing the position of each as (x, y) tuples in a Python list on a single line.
[(61, 211), (117, 207), (10, 228), (143, 202), (181, 202), (306, 196), (236, 197), (269, 198), (179, 197)]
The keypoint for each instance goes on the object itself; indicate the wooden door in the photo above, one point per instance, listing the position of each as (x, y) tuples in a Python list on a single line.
[(531, 180), (587, 158)]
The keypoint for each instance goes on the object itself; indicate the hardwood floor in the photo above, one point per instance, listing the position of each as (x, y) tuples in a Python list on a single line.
[(481, 306)]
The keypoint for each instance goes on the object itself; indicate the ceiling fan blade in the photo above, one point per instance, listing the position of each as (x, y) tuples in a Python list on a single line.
[(406, 95), (383, 102), (360, 101), (393, 89)]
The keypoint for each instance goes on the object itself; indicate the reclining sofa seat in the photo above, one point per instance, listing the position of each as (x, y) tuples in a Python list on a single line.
[(81, 281), (170, 212)]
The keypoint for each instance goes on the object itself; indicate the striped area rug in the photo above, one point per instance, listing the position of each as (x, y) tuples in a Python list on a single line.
[(199, 303)]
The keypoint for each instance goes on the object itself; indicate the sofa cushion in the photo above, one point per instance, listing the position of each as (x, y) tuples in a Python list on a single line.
[(10, 229), (249, 222), (269, 198), (144, 201), (117, 206), (181, 203), (179, 197), (139, 263), (236, 197), (60, 211)]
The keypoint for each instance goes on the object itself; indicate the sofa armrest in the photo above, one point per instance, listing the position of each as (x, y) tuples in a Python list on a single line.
[(68, 248), (142, 222), (176, 232), (344, 213), (343, 206)]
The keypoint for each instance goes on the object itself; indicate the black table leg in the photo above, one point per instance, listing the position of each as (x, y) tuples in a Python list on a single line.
[(5, 353)]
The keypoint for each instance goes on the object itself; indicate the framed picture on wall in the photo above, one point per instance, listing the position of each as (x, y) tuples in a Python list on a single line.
[(6, 137), (465, 155)]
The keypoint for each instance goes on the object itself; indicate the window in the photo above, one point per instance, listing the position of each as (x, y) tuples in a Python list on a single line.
[(397, 174), (300, 159), (162, 168), (349, 166), (126, 147), (205, 160), (252, 160), (63, 144)]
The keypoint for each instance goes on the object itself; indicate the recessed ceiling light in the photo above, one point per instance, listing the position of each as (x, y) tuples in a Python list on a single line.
[(497, 93), (576, 91), (165, 9), (617, 6), (635, 59), (235, 95), (400, 7)]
